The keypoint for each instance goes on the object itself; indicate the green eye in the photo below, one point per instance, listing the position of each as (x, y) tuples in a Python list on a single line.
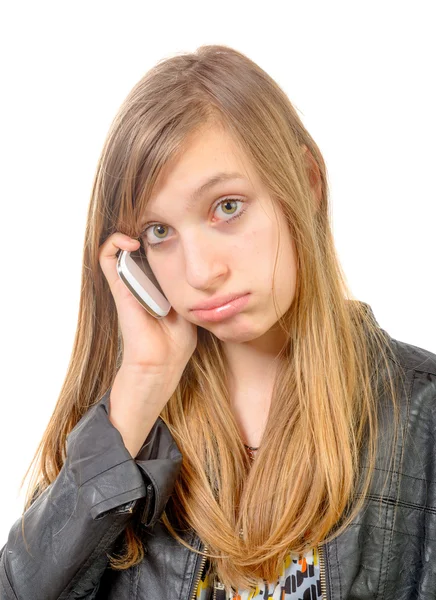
[(228, 204), (155, 227)]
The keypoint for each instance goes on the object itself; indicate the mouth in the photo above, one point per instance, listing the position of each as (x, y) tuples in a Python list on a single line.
[(223, 311), (218, 301)]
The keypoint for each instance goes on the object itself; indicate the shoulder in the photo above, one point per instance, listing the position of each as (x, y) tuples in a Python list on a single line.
[(414, 358), (407, 356), (419, 368)]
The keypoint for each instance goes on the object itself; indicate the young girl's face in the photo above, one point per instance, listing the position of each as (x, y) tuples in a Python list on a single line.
[(222, 242)]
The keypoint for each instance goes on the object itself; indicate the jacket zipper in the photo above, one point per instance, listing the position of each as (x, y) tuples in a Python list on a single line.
[(203, 562), (322, 571), (219, 586)]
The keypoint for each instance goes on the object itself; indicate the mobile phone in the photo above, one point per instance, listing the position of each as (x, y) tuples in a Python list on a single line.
[(136, 274)]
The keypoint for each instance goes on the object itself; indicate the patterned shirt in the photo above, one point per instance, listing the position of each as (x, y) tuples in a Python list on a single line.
[(299, 579)]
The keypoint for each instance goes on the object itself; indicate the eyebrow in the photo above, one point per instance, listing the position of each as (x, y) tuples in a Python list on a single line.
[(210, 183)]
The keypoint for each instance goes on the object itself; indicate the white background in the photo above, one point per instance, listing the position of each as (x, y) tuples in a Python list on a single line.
[(361, 76)]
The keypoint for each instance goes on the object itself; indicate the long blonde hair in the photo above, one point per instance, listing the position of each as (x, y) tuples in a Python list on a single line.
[(307, 482)]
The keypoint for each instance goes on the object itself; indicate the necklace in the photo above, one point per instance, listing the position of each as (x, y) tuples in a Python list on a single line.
[(251, 451)]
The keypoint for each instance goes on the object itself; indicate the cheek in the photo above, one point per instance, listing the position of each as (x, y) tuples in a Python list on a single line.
[(259, 248), (165, 273), (261, 237), (286, 273), (272, 256)]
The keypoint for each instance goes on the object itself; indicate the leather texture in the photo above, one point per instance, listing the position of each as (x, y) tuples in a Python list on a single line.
[(387, 553)]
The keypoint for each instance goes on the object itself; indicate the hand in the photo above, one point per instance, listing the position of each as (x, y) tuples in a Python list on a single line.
[(153, 345)]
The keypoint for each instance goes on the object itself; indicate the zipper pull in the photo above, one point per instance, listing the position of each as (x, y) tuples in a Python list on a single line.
[(218, 590)]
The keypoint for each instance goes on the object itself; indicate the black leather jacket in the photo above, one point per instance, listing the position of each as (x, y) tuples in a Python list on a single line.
[(387, 553)]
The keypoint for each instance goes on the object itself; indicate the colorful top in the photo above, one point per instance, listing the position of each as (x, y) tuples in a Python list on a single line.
[(299, 579)]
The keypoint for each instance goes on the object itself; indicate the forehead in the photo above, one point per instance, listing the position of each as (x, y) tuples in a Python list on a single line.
[(209, 160)]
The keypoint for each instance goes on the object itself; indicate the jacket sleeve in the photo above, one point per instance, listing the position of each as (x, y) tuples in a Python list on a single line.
[(74, 523)]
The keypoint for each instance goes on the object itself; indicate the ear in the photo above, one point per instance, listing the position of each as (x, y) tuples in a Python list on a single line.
[(314, 174)]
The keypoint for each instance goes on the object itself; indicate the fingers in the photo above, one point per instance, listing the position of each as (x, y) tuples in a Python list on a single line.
[(107, 255)]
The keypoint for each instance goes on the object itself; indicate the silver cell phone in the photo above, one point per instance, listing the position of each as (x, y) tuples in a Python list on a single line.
[(136, 274)]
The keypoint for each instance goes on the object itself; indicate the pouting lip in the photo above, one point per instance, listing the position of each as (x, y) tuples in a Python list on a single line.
[(217, 301)]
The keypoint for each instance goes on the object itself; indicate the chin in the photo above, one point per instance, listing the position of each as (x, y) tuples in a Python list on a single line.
[(238, 333)]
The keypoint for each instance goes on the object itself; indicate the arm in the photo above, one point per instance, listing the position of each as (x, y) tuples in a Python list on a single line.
[(77, 519)]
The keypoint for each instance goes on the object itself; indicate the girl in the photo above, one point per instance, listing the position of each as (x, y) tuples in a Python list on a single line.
[(265, 439)]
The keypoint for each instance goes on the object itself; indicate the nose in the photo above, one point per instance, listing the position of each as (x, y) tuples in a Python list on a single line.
[(205, 261)]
